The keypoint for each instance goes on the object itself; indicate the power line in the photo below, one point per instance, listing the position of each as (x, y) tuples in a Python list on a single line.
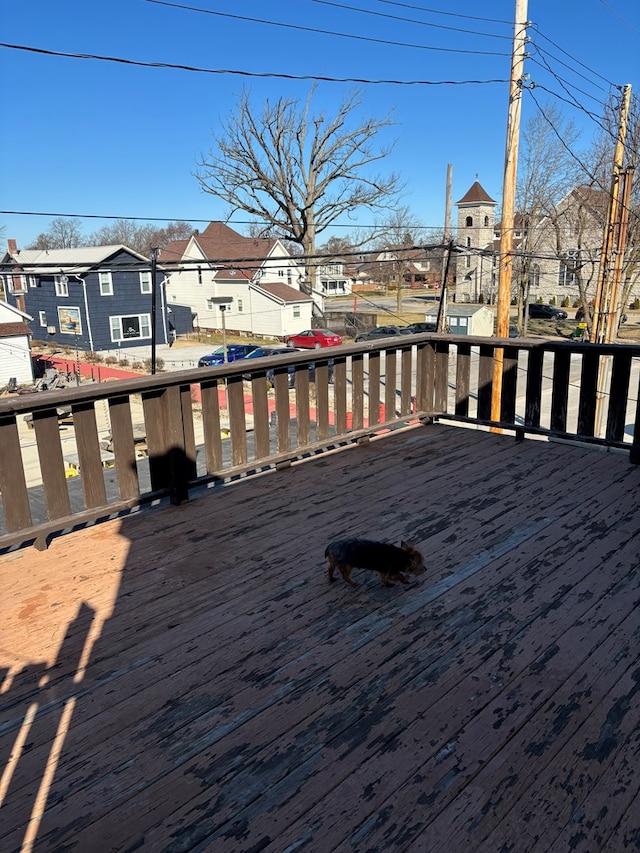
[(262, 74), (411, 20), (300, 28), (573, 59), (441, 12), (618, 15)]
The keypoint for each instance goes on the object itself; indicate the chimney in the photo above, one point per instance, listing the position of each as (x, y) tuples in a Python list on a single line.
[(13, 246)]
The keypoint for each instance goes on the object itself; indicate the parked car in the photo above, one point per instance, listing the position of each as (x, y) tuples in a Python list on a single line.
[(234, 352), (538, 311), (292, 374), (416, 328), (383, 332), (314, 339)]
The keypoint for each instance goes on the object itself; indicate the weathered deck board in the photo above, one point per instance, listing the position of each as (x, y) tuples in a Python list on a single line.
[(236, 701)]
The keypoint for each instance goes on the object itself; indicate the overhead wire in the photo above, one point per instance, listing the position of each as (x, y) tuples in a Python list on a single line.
[(410, 20), (241, 73), (443, 12), (325, 32)]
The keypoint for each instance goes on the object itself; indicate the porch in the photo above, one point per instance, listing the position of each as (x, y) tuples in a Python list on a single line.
[(186, 678)]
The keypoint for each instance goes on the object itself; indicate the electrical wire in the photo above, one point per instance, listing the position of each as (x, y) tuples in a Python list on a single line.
[(410, 20), (441, 12), (260, 74), (618, 15), (573, 59), (301, 28)]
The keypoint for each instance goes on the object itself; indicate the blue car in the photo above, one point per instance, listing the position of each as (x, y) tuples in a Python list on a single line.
[(234, 352)]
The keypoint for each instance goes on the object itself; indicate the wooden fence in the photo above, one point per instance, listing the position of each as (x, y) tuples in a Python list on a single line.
[(138, 441)]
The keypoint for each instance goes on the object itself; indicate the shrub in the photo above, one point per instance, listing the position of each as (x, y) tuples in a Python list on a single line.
[(565, 302), (552, 301), (481, 299), (636, 304), (111, 359)]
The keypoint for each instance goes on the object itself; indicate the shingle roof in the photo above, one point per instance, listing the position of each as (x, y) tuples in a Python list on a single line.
[(14, 330), (42, 261), (476, 195), (218, 242), (284, 292)]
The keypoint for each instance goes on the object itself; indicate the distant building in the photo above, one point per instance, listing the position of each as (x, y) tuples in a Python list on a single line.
[(258, 275)]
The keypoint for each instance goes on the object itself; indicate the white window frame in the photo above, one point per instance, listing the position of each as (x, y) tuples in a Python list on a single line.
[(61, 284), (116, 327), (105, 285), (296, 311), (42, 319), (33, 281), (240, 306), (145, 281)]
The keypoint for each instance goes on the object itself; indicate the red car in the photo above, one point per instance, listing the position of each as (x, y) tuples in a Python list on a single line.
[(314, 339)]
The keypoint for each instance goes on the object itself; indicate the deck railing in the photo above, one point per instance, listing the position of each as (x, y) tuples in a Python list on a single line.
[(133, 442)]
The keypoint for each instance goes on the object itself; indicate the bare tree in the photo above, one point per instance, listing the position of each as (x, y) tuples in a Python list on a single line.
[(548, 172), (140, 237), (62, 234), (298, 172)]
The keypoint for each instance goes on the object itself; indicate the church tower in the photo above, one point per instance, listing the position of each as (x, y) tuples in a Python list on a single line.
[(476, 222)]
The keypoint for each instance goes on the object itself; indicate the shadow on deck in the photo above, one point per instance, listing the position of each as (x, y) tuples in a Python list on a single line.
[(188, 680)]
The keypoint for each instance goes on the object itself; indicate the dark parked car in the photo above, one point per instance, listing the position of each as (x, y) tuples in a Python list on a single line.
[(416, 328), (546, 312), (383, 332), (234, 352)]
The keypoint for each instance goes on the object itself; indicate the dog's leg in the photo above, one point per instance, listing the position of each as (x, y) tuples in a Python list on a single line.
[(345, 571), (387, 580), (402, 578), (332, 568)]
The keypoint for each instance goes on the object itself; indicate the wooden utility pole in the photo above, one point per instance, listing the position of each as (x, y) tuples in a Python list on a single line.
[(605, 309), (508, 199), (447, 205)]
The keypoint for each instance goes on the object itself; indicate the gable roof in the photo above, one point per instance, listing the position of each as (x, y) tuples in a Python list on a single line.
[(80, 260), (218, 242), (476, 194)]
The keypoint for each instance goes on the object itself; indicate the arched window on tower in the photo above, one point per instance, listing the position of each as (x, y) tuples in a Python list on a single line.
[(486, 222), (469, 221)]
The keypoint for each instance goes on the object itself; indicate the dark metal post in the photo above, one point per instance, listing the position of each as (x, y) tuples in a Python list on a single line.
[(154, 258)]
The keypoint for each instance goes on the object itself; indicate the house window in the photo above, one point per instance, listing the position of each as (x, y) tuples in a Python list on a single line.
[(145, 282), (486, 222), (131, 327), (42, 318), (62, 285), (240, 306), (281, 273), (199, 275), (33, 282), (534, 276), (566, 271), (296, 310), (469, 221), (106, 284), (289, 276)]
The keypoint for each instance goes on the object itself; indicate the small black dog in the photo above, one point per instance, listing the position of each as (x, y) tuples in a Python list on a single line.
[(389, 560)]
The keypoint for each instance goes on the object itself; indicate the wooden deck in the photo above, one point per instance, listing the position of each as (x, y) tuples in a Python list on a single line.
[(187, 679)]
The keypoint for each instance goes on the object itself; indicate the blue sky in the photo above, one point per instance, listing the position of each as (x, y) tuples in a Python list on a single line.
[(84, 136)]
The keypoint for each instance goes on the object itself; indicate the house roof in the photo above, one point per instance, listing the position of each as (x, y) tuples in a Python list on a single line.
[(283, 292), (14, 330), (218, 242), (476, 195), (80, 260), (457, 310)]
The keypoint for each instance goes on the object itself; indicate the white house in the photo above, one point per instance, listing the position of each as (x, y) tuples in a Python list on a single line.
[(332, 279), (258, 275), (15, 352)]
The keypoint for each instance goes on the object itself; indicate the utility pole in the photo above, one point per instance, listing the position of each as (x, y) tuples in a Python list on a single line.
[(508, 198), (604, 326)]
